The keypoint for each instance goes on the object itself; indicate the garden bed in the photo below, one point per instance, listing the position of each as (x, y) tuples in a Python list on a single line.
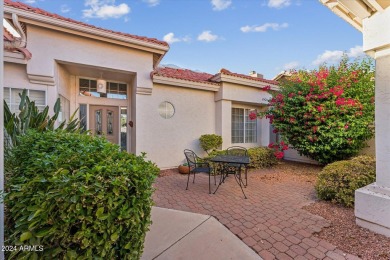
[(346, 235)]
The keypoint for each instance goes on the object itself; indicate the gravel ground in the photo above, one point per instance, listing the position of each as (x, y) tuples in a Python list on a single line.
[(346, 235), (343, 232)]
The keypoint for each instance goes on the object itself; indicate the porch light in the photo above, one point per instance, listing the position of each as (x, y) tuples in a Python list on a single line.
[(101, 85)]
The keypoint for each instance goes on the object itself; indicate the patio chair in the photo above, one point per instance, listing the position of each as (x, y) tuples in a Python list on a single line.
[(197, 167), (239, 151)]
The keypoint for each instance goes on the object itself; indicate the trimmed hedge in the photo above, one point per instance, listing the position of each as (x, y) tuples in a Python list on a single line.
[(78, 196), (339, 180), (262, 157)]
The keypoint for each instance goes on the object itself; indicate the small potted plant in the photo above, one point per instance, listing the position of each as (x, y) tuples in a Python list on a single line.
[(184, 168)]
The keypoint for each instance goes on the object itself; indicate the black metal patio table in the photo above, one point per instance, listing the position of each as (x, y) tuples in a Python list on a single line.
[(224, 161)]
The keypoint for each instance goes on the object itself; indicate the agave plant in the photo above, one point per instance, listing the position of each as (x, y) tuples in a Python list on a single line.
[(30, 117)]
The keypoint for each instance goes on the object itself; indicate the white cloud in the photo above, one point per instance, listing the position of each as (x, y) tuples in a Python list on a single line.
[(30, 1), (219, 5), (152, 3), (332, 57), (279, 3), (207, 36), (291, 65), (65, 9), (170, 38), (105, 9), (264, 27), (356, 52)]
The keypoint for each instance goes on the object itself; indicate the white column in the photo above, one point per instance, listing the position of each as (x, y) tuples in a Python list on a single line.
[(372, 203), (223, 121), (382, 122)]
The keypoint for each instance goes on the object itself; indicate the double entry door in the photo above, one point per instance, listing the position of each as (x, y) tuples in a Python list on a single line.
[(104, 121)]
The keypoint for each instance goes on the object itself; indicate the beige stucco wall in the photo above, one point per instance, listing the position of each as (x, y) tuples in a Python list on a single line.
[(165, 139), (233, 95), (48, 46), (15, 76), (63, 81)]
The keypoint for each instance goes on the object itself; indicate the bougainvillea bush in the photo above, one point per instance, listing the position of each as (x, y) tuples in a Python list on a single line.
[(326, 114)]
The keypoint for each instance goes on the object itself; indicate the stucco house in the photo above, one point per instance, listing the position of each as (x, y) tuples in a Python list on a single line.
[(115, 81)]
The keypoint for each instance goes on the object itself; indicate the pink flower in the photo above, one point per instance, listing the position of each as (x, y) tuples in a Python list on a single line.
[(252, 115), (346, 126), (319, 108), (266, 88), (279, 154), (271, 145)]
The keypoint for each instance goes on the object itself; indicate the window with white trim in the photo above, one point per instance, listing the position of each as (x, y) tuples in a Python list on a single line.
[(88, 87), (11, 96), (244, 130)]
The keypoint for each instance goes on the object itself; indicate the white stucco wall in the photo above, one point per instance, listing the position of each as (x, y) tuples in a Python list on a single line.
[(165, 139)]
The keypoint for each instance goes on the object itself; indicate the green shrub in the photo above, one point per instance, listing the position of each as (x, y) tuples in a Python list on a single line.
[(261, 157), (78, 196), (339, 180), (210, 142)]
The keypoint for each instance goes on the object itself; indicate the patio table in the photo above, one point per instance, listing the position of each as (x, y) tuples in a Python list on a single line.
[(224, 161)]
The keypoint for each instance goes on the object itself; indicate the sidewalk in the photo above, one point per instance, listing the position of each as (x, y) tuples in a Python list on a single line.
[(183, 235)]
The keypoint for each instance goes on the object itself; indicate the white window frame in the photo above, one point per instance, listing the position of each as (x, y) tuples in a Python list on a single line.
[(11, 103), (108, 81), (246, 119)]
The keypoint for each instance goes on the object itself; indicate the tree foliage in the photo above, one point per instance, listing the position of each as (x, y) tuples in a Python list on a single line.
[(326, 114)]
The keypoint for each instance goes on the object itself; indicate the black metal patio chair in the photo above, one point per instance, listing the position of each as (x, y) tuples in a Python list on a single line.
[(232, 167), (196, 166)]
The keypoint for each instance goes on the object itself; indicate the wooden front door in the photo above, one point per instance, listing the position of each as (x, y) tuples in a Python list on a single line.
[(104, 121)]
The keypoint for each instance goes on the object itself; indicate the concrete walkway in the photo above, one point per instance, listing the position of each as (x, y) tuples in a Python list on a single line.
[(183, 235)]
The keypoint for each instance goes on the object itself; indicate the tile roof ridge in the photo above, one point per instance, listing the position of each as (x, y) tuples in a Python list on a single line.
[(239, 75), (24, 6)]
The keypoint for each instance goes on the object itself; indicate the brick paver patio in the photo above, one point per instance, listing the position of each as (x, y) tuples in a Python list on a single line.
[(271, 221)]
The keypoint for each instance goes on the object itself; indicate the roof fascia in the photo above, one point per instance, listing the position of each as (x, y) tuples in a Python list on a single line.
[(185, 83), (81, 30)]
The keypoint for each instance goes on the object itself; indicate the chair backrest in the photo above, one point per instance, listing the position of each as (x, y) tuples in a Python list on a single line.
[(191, 157), (237, 150)]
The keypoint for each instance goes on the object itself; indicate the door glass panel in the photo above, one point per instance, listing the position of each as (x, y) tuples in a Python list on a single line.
[(98, 122), (124, 128), (110, 116)]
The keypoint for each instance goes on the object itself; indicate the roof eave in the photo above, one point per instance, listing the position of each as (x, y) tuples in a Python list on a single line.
[(42, 20), (185, 83)]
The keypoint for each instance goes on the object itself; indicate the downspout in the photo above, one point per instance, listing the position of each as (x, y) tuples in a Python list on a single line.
[(18, 42)]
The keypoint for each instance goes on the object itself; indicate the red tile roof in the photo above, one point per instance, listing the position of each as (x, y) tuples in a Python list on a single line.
[(184, 74), (202, 77), (227, 72), (32, 9)]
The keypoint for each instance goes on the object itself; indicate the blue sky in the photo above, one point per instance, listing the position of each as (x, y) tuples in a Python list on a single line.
[(267, 36)]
